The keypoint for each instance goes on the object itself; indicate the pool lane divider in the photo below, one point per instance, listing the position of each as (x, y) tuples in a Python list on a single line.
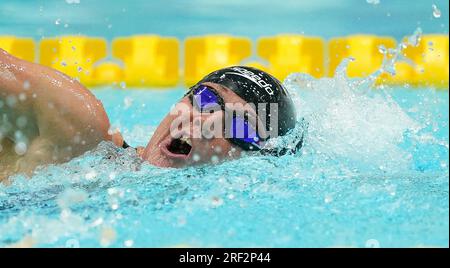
[(23, 48), (148, 60), (205, 54), (154, 61), (73, 55)]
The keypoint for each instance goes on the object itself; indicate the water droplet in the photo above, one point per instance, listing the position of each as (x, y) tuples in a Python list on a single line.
[(63, 63), (127, 102), (372, 243), (217, 201), (196, 157), (414, 39), (11, 100), (91, 175), (129, 243), (26, 85), (79, 69), (436, 12), (20, 148), (97, 222), (112, 176), (373, 2), (123, 85), (22, 96), (57, 21), (382, 49)]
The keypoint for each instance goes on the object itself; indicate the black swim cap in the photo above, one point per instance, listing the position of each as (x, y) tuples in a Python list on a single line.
[(256, 86)]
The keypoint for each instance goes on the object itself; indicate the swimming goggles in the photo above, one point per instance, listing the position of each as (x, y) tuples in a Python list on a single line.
[(241, 132)]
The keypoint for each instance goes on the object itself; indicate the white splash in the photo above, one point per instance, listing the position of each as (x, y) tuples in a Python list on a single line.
[(436, 11), (350, 124), (373, 2)]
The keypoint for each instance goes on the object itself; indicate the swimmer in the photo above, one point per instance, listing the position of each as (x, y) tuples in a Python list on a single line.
[(47, 117)]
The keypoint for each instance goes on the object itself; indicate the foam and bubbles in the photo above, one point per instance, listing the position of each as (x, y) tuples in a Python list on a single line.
[(350, 126)]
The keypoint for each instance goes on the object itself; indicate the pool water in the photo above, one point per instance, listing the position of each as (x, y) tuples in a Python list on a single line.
[(374, 170), (373, 173)]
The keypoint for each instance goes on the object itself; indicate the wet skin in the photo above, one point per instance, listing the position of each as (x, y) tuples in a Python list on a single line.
[(204, 150), (59, 118), (63, 120)]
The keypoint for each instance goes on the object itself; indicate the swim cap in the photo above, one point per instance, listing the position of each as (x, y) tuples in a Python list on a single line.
[(256, 87)]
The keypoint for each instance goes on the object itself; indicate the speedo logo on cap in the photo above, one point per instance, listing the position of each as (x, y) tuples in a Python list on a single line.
[(252, 77)]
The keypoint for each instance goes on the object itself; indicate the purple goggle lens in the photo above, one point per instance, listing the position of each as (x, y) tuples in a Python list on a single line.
[(242, 133), (205, 99)]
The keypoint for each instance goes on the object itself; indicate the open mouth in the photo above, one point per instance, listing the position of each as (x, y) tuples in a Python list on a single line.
[(180, 146)]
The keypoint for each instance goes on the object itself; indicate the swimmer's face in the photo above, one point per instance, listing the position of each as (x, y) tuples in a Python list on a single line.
[(179, 141)]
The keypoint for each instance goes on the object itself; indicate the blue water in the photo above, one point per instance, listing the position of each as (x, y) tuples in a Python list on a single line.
[(374, 171), (395, 194)]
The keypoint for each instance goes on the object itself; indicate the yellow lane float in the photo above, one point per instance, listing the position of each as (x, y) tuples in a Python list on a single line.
[(73, 55), (22, 48), (149, 60), (364, 49), (293, 53), (107, 73), (154, 61), (429, 65), (205, 54)]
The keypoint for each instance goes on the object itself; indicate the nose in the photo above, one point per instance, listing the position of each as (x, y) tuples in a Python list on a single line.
[(208, 125)]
